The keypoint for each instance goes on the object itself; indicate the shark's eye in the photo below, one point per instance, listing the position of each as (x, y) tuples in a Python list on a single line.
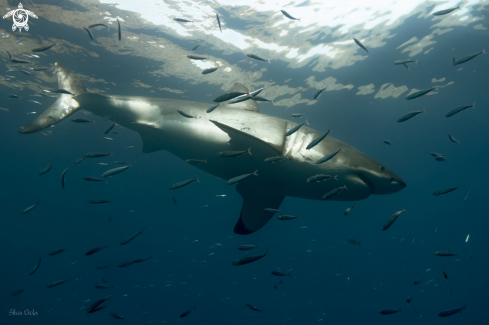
[(382, 168)]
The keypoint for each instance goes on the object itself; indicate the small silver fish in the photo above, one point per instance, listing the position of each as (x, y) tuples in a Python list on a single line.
[(286, 217), (275, 159), (467, 58), (347, 211), (295, 128), (316, 95), (256, 57), (286, 14), (420, 93), (238, 179), (445, 11), (360, 44), (186, 115), (182, 20), (453, 139)]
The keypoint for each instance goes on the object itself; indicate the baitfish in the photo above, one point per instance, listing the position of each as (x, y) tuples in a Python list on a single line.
[(81, 120), (327, 157), (316, 95), (109, 128), (248, 259), (196, 57), (56, 252), (34, 269), (45, 169), (240, 178), (453, 139), (219, 22), (129, 238), (467, 58), (347, 211), (183, 183), (360, 44), (410, 116), (420, 93), (119, 30), (450, 312), (97, 201), (63, 177), (392, 219), (95, 250), (115, 171), (458, 110), (56, 283), (211, 70), (286, 14), (442, 253), (256, 57), (445, 11), (43, 48), (295, 129), (445, 191), (186, 115), (247, 247), (252, 307), (98, 25), (30, 208), (182, 20), (89, 33), (333, 192), (185, 313)]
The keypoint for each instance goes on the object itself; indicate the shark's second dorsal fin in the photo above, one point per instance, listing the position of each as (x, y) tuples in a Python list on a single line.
[(249, 105)]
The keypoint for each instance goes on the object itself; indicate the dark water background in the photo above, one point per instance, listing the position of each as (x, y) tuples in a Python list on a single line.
[(192, 246)]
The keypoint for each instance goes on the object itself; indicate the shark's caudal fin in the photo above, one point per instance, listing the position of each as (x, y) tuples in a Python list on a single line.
[(64, 106), (253, 215)]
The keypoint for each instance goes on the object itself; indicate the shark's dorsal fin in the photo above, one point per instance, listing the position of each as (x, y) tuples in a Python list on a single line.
[(239, 88), (253, 215), (249, 105)]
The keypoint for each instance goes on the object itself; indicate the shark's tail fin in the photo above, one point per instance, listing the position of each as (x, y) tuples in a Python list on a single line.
[(64, 106)]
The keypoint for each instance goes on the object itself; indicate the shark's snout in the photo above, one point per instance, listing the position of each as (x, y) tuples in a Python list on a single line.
[(397, 184)]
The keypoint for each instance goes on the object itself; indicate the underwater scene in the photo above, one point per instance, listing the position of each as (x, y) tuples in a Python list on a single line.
[(244, 162)]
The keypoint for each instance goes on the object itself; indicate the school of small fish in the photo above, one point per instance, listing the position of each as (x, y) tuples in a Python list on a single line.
[(237, 97)]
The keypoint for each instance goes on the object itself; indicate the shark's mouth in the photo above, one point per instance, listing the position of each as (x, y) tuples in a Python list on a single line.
[(367, 182)]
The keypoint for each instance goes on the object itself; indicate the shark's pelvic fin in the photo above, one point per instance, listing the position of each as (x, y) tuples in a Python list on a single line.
[(253, 215), (64, 106), (240, 138)]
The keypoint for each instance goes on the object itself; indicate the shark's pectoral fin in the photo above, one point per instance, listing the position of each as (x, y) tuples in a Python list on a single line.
[(253, 215), (258, 146)]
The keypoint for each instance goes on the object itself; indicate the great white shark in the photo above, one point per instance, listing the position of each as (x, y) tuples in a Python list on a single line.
[(233, 127)]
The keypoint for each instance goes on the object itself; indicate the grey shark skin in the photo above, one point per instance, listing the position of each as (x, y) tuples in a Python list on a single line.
[(242, 125)]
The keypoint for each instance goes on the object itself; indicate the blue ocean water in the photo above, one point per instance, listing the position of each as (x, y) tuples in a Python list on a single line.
[(192, 243)]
